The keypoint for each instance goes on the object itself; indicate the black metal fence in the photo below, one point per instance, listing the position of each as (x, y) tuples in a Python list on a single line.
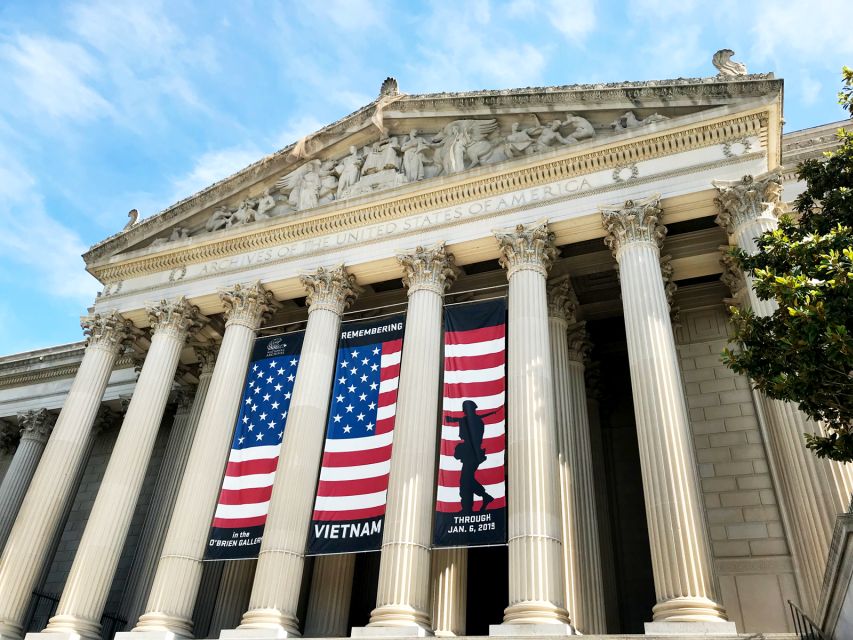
[(43, 606), (805, 627)]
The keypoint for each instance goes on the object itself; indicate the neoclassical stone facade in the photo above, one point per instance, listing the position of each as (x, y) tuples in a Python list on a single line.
[(648, 489)]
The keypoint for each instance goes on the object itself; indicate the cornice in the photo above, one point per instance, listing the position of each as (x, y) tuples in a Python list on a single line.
[(601, 95), (45, 375), (465, 189)]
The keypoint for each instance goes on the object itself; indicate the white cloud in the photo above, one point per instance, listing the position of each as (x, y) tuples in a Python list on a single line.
[(348, 15), (296, 129), (574, 19), (43, 248), (54, 77), (810, 89), (213, 166), (815, 30)]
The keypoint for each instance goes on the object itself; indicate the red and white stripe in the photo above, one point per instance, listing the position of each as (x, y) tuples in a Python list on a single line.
[(245, 496), (354, 473), (474, 369)]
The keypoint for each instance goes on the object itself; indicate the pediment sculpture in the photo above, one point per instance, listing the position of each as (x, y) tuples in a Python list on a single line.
[(396, 160)]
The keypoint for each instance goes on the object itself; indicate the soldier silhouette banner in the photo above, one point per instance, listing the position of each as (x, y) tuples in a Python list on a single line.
[(349, 510), (241, 512), (471, 495)]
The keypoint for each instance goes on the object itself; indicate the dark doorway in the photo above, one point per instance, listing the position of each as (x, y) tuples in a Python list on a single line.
[(365, 581), (487, 588)]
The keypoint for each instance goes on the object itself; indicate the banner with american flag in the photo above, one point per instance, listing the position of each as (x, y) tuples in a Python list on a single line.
[(349, 510), (238, 523), (471, 495)]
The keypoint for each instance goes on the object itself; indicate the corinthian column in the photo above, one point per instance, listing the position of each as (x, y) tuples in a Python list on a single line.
[(35, 427), (681, 558), (88, 585), (275, 591), (812, 491), (330, 596), (581, 553), (536, 593), (173, 594), (172, 472), (28, 545), (403, 595)]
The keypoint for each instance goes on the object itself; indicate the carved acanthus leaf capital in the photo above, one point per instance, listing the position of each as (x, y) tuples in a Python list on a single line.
[(248, 304), (579, 342), (732, 276), (36, 424), (109, 330), (750, 198), (527, 248), (176, 318), (669, 287), (206, 355), (106, 420), (430, 268), (331, 289), (635, 221), (562, 301)]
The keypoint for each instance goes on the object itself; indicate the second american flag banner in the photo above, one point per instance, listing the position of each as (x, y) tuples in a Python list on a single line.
[(349, 510), (241, 512), (470, 505)]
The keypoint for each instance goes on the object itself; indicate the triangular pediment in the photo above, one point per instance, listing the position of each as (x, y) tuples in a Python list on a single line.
[(403, 140)]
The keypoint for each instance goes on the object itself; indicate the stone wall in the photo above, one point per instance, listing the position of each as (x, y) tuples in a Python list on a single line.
[(750, 551)]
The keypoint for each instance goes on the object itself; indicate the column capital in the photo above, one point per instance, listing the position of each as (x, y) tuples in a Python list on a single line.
[(106, 420), (750, 198), (206, 356), (529, 247), (634, 221), (10, 436), (248, 304), (579, 342), (109, 330), (428, 268), (36, 424), (331, 289), (176, 318), (562, 301)]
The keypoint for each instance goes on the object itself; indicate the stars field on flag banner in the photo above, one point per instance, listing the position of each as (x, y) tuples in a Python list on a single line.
[(349, 507), (241, 511)]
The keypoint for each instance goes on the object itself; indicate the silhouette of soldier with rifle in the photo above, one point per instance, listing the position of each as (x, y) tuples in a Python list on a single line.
[(471, 454)]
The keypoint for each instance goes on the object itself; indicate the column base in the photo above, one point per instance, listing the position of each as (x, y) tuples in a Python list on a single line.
[(10, 630), (257, 634), (407, 631), (151, 635), (688, 609), (515, 630), (68, 627), (691, 628)]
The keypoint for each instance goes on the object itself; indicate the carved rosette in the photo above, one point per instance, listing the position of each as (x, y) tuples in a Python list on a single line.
[(669, 287), (430, 269), (110, 331), (527, 248), (635, 221), (750, 198), (579, 343), (248, 304), (562, 301), (330, 289), (175, 318), (36, 424), (732, 277)]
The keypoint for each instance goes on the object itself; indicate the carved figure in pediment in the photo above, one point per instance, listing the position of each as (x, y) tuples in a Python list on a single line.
[(349, 171), (462, 139), (218, 219), (328, 182), (243, 214), (518, 142), (583, 128), (266, 204), (727, 67), (414, 150), (630, 121), (548, 136), (302, 185), (178, 233), (381, 157)]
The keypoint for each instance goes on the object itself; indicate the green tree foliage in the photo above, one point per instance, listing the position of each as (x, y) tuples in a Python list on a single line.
[(803, 353)]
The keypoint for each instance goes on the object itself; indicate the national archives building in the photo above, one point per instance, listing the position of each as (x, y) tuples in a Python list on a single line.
[(642, 486)]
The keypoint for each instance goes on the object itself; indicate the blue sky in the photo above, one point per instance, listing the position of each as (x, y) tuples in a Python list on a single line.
[(109, 105)]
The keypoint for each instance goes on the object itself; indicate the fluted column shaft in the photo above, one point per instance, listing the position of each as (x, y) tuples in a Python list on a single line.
[(812, 491), (233, 595), (278, 578), (88, 584), (330, 596), (536, 592), (35, 430), (156, 526), (173, 593), (685, 586), (581, 553), (403, 595), (449, 591), (50, 490)]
